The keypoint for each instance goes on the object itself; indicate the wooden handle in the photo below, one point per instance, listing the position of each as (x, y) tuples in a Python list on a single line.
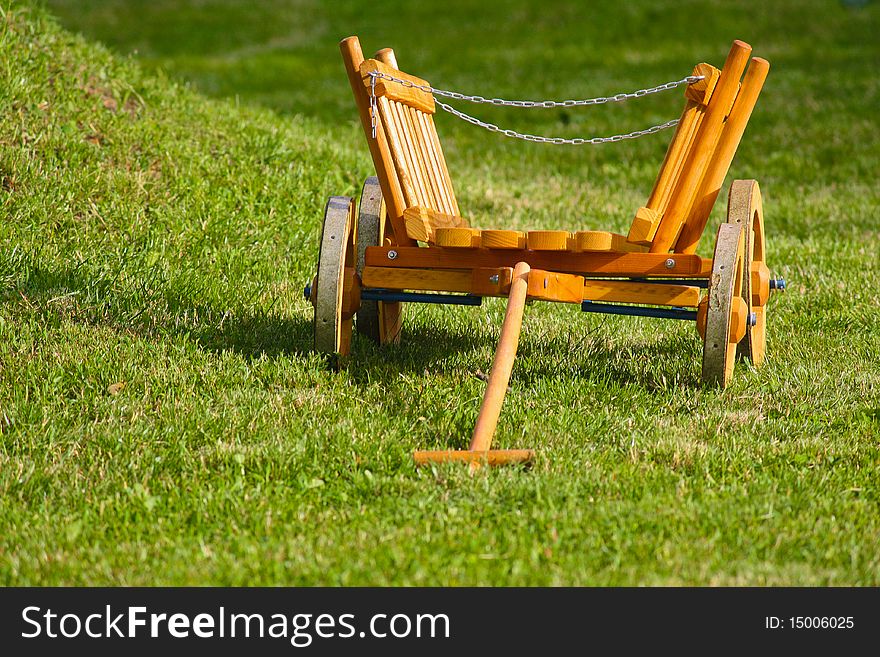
[(504, 355)]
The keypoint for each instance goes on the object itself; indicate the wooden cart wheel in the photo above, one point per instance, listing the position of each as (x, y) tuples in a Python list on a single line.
[(377, 320), (335, 291), (744, 206), (724, 311)]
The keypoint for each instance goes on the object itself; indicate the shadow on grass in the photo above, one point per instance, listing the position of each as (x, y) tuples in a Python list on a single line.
[(588, 354), (258, 335), (672, 362), (156, 309), (421, 348)]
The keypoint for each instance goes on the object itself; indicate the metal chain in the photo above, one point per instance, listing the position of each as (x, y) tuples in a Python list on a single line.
[(577, 141), (531, 104), (537, 103)]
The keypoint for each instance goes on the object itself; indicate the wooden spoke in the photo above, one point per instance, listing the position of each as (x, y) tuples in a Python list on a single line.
[(333, 307), (744, 207), (725, 310), (377, 320)]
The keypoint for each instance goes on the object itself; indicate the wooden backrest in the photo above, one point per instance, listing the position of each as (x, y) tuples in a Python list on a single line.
[(716, 112), (406, 151)]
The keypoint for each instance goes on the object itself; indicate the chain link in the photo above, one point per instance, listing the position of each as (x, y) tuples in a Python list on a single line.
[(374, 75), (373, 104)]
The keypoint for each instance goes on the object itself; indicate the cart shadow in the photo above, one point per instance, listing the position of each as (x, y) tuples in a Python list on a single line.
[(159, 311), (660, 366), (420, 349), (594, 361)]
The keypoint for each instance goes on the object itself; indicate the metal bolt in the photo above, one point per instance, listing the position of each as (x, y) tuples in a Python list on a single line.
[(753, 319), (493, 279), (392, 254), (670, 263), (777, 284), (307, 292)]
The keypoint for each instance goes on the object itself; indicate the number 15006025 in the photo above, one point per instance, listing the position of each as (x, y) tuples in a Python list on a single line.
[(809, 623)]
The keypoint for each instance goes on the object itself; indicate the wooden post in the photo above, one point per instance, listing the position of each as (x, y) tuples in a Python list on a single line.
[(353, 57), (387, 56), (698, 94), (724, 152)]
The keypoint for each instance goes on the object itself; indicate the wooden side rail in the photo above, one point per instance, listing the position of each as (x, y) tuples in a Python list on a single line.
[(599, 264), (495, 282)]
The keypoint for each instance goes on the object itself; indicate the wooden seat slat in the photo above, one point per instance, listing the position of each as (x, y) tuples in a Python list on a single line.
[(426, 162), (441, 160)]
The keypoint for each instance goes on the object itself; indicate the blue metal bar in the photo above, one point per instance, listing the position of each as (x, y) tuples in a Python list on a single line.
[(695, 282), (638, 311), (375, 294)]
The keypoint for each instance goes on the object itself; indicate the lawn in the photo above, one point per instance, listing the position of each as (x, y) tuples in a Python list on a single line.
[(164, 421)]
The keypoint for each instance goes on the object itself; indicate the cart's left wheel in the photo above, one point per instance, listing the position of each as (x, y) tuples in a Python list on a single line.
[(722, 317), (380, 321), (336, 288)]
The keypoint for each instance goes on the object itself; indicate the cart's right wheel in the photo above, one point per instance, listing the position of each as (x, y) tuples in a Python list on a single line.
[(744, 206), (377, 320), (724, 311)]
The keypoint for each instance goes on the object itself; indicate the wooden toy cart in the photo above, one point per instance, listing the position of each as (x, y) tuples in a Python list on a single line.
[(407, 242)]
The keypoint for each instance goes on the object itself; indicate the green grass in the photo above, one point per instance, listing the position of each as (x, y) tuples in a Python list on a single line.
[(163, 421)]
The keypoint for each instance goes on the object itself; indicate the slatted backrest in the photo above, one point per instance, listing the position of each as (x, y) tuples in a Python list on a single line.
[(716, 112), (406, 150), (697, 98), (406, 115)]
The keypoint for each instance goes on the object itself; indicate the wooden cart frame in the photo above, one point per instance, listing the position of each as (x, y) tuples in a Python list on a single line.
[(406, 241)]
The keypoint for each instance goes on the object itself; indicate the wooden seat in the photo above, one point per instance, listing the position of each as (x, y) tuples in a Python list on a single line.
[(421, 201)]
